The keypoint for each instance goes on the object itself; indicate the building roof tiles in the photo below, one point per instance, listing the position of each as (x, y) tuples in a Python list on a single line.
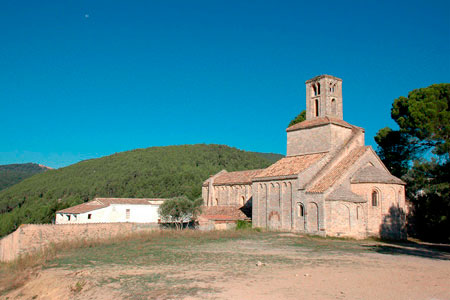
[(332, 175), (318, 122), (98, 203), (222, 213), (238, 177), (344, 194), (371, 174), (291, 165)]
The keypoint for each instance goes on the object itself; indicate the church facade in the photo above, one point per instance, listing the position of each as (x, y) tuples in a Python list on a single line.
[(328, 184)]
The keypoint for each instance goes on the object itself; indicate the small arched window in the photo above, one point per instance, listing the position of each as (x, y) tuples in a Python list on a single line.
[(314, 90), (333, 106), (217, 201), (375, 198), (301, 210), (318, 88), (316, 107)]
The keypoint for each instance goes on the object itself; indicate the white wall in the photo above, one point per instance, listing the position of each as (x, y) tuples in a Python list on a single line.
[(112, 214)]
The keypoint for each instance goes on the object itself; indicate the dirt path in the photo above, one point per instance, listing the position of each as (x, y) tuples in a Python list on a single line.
[(290, 268), (372, 276)]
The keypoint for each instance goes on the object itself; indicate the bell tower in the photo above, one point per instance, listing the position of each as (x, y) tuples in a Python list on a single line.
[(324, 97)]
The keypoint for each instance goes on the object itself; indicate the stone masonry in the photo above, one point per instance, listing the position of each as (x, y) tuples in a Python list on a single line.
[(329, 183), (29, 238)]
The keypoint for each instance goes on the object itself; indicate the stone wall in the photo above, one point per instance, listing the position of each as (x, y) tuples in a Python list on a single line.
[(316, 139), (29, 238), (234, 195), (346, 219), (389, 212), (313, 220), (309, 140), (272, 204)]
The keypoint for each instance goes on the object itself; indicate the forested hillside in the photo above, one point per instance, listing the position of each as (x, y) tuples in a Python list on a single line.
[(272, 157), (14, 173), (152, 172)]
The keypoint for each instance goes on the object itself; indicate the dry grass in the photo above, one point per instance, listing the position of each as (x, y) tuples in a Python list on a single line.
[(16, 273), (170, 264), (77, 287)]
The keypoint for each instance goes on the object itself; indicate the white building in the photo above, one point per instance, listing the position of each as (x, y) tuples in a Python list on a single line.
[(111, 210)]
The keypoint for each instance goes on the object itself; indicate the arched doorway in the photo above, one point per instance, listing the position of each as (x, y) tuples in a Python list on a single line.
[(312, 213)]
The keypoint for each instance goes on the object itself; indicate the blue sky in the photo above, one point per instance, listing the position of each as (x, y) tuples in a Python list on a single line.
[(84, 79)]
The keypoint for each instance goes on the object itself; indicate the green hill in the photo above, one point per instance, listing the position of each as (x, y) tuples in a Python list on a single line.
[(272, 157), (14, 173), (152, 172)]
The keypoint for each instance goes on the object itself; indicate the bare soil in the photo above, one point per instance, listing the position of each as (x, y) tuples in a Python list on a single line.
[(247, 265)]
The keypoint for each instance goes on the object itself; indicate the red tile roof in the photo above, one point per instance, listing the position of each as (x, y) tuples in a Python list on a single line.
[(336, 172), (290, 165), (128, 200), (322, 76), (371, 174), (98, 203), (222, 213), (239, 177), (344, 194), (318, 122), (83, 208)]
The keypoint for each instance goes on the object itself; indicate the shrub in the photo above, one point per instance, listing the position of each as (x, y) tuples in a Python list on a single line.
[(243, 225)]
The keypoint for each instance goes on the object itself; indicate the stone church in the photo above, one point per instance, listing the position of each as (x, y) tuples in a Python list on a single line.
[(328, 184)]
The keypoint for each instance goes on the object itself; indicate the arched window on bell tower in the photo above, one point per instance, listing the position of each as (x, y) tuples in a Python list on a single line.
[(316, 107), (324, 97), (333, 107)]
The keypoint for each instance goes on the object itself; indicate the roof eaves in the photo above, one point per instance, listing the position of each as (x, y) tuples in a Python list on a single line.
[(323, 121), (269, 178), (70, 210), (232, 183)]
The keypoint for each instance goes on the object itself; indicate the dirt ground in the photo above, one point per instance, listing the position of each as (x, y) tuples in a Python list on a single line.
[(254, 266)]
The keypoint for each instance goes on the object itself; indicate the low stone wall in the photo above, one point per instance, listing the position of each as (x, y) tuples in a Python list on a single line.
[(216, 225), (29, 238)]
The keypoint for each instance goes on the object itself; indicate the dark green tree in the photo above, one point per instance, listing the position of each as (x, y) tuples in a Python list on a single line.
[(424, 117), (419, 153), (395, 150), (300, 118), (429, 191)]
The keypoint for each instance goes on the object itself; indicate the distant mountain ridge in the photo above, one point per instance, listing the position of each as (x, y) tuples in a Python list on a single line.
[(156, 172), (15, 173)]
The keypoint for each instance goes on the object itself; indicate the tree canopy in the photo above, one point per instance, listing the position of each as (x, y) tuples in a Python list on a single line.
[(299, 118), (180, 210), (419, 153), (395, 150), (424, 117)]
